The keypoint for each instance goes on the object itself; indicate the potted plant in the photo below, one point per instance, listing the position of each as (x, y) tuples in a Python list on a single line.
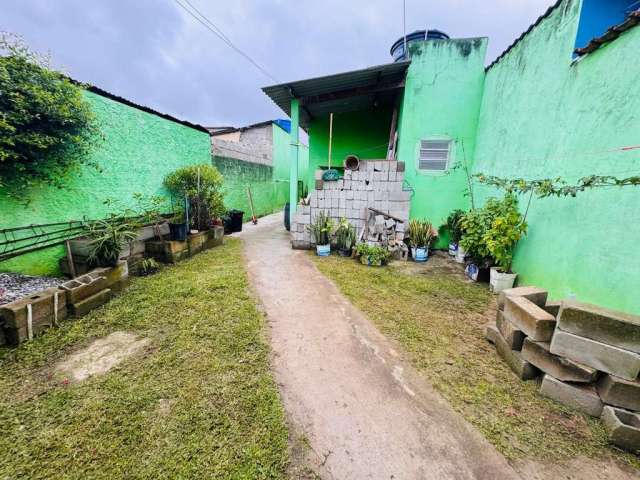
[(178, 226), (200, 188), (345, 237), (421, 233), (506, 230), (455, 231), (491, 231), (148, 266), (321, 231), (108, 240), (372, 255)]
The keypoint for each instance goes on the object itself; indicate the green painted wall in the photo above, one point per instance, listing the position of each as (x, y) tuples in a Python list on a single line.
[(543, 116), (442, 100), (281, 158), (268, 195), (362, 133), (138, 150)]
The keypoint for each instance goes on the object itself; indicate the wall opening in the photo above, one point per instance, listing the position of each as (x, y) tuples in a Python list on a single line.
[(597, 16)]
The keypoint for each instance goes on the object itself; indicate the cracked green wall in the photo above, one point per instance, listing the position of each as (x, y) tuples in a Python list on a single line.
[(543, 116), (138, 150), (442, 100)]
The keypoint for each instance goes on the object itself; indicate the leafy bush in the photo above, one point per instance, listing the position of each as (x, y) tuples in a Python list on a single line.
[(47, 128), (490, 233), (202, 184), (321, 229), (453, 225), (372, 254)]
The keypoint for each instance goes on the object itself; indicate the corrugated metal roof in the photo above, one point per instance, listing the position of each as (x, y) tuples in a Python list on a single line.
[(369, 77)]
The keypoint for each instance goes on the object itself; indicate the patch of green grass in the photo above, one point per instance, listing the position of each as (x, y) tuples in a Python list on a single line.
[(440, 319), (199, 403)]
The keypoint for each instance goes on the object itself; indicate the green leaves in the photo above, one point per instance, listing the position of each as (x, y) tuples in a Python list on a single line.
[(375, 255), (490, 233), (556, 187), (345, 235), (321, 229), (202, 184), (46, 127), (421, 233)]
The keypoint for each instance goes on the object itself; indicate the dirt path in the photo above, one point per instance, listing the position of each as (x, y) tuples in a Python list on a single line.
[(364, 412)]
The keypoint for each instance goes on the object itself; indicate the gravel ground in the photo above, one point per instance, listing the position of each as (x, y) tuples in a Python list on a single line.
[(14, 286)]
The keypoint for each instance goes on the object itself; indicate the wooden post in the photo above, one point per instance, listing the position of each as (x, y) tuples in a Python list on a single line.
[(330, 137), (72, 267)]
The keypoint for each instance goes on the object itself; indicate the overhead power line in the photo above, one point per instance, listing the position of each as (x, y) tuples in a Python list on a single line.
[(213, 28)]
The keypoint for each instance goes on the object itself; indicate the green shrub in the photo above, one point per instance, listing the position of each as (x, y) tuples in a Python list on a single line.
[(373, 254), (202, 184), (453, 225), (47, 128), (321, 229), (345, 235), (490, 233)]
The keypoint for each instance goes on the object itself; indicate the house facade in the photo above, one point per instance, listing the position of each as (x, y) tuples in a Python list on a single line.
[(562, 101)]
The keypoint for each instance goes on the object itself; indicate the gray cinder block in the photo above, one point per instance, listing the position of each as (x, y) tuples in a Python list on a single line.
[(583, 398)]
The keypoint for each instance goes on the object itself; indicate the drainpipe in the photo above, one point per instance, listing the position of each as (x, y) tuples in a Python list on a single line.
[(293, 158)]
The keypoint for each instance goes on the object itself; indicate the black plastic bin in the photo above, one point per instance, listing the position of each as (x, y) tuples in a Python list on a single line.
[(233, 221), (287, 220)]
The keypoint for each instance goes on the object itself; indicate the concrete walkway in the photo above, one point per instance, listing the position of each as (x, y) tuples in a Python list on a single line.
[(365, 412)]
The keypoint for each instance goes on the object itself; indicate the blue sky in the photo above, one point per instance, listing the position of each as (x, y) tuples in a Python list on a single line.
[(153, 53)]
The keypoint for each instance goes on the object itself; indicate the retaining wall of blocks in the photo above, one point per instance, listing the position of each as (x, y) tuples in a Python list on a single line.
[(377, 184), (587, 357), (30, 316)]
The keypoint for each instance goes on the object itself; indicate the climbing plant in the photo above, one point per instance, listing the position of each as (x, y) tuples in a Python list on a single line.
[(556, 187), (46, 126)]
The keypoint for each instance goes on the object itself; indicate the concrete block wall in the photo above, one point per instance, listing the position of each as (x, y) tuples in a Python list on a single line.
[(376, 184)]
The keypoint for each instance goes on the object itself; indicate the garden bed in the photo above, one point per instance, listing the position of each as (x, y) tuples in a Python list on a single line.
[(14, 286)]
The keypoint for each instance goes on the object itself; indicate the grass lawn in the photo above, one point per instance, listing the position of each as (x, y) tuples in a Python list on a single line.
[(439, 320), (200, 401)]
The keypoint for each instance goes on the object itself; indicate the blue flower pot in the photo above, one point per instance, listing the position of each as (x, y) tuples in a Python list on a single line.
[(420, 254), (323, 250)]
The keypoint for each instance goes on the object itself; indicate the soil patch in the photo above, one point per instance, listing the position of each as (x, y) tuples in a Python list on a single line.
[(101, 356)]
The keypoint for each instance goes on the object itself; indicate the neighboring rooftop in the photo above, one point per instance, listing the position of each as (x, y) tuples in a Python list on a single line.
[(610, 35), (342, 92)]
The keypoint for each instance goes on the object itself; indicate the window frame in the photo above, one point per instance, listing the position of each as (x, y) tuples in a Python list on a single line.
[(450, 157)]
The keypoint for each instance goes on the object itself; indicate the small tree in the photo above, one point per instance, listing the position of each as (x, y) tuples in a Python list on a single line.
[(202, 185), (46, 126)]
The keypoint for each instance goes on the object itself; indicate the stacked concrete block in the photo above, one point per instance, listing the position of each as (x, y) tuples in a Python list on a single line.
[(25, 318), (590, 356), (377, 184), (623, 428)]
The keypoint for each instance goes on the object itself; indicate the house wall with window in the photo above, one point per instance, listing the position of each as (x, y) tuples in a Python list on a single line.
[(545, 115), (442, 99)]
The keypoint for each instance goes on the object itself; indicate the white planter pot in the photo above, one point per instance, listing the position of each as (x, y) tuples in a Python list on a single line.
[(461, 255), (499, 281), (453, 249)]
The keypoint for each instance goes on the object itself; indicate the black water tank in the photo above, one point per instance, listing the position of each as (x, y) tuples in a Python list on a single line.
[(397, 50)]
